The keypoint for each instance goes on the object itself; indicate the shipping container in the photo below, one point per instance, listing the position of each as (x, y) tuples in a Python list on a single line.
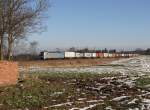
[(130, 55), (79, 55), (117, 55), (94, 55), (87, 55), (125, 55), (110, 55), (113, 55), (122, 55), (52, 55), (70, 54), (99, 54), (106, 55), (135, 55)]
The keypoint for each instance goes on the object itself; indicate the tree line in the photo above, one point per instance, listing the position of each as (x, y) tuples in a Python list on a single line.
[(19, 18), (143, 51)]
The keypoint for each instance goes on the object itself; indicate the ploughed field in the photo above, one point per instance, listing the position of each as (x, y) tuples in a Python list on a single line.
[(120, 85)]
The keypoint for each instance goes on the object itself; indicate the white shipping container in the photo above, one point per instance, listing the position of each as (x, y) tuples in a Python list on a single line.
[(44, 56), (130, 55), (123, 55), (69, 54), (94, 55), (117, 55), (135, 55), (110, 55), (106, 55), (52, 55), (87, 55), (127, 55), (79, 55)]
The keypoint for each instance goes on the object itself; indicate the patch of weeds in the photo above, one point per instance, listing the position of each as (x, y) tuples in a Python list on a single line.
[(142, 82), (110, 74), (65, 75), (72, 75), (113, 65), (30, 93)]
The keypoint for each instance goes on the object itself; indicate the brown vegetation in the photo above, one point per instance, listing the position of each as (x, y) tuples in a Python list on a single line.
[(67, 62)]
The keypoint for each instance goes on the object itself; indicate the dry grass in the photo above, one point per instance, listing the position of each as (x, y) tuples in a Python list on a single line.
[(67, 62)]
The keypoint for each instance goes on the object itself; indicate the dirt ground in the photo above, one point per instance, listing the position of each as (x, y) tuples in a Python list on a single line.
[(8, 73), (67, 62)]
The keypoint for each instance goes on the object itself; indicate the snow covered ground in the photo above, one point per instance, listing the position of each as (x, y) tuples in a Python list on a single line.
[(120, 90), (132, 66)]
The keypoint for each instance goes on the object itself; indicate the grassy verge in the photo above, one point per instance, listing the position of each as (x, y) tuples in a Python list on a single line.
[(70, 75), (143, 82), (113, 65)]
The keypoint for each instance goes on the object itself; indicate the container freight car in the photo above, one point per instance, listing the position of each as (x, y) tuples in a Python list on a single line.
[(60, 55), (117, 55), (70, 54), (52, 55), (88, 55), (94, 55), (113, 55), (99, 55), (110, 55), (122, 55), (130, 55), (106, 55), (79, 55), (127, 55)]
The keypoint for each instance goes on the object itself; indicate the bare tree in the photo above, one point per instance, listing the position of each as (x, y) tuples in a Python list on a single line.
[(21, 17), (21, 47), (2, 26)]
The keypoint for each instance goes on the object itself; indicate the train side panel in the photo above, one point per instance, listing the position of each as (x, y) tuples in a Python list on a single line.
[(106, 55), (99, 55), (110, 55), (79, 55), (94, 55), (69, 54), (87, 55), (52, 55)]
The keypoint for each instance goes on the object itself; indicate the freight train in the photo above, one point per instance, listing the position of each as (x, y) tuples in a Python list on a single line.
[(64, 55)]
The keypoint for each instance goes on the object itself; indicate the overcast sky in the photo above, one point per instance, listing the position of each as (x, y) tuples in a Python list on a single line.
[(97, 23)]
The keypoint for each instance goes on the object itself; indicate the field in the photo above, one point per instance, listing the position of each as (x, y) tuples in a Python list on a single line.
[(66, 62), (120, 85)]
